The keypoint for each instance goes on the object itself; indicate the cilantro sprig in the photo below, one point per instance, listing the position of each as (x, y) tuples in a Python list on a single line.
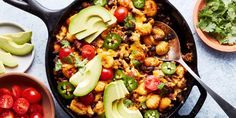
[(218, 19)]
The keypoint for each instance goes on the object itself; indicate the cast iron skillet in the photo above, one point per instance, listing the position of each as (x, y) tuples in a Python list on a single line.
[(55, 18)]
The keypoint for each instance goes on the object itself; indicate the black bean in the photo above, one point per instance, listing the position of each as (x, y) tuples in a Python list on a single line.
[(127, 59), (129, 33), (169, 36)]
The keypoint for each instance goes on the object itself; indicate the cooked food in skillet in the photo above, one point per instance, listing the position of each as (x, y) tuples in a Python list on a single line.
[(108, 65)]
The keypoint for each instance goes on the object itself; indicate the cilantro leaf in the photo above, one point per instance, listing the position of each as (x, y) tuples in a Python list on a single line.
[(65, 43), (79, 63), (58, 65)]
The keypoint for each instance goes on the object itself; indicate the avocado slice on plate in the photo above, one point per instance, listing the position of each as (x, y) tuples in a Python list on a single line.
[(127, 113), (19, 38), (2, 68), (87, 80), (79, 22), (9, 46), (8, 60)]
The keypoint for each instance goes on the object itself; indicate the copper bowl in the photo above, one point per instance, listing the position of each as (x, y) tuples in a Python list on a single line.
[(25, 80), (213, 43)]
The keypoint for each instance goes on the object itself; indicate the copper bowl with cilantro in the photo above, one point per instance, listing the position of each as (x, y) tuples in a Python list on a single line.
[(215, 23)]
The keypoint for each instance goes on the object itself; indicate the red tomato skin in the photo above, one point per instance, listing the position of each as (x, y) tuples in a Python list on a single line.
[(7, 114), (1, 110), (36, 115), (88, 52), (64, 52), (36, 108), (88, 99), (32, 95), (107, 74), (16, 91), (22, 116), (151, 83), (120, 13), (6, 101), (5, 91), (21, 106)]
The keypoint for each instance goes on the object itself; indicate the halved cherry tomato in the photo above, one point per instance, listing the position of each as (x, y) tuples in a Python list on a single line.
[(88, 99), (7, 114), (5, 91), (16, 91), (32, 95), (36, 108), (36, 115), (107, 74), (22, 116), (6, 101), (64, 52), (152, 82), (21, 106), (88, 52), (120, 13)]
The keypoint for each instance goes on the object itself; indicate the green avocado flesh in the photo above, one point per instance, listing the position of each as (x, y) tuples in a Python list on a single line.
[(8, 60), (2, 68), (126, 113), (9, 46), (90, 22), (80, 21), (19, 38), (87, 80)]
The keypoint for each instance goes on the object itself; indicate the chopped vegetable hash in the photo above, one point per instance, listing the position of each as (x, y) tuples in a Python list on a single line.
[(114, 69)]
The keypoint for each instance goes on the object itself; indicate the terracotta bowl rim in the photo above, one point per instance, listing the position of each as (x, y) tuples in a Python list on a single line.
[(45, 89), (204, 37)]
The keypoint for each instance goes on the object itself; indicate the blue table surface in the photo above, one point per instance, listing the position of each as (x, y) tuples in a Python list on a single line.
[(217, 69)]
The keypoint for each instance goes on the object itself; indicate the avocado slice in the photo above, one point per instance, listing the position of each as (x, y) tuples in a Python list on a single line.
[(8, 60), (113, 19), (115, 109), (118, 92), (2, 68), (80, 21), (127, 113), (94, 25), (91, 38), (19, 38), (88, 80), (9, 46)]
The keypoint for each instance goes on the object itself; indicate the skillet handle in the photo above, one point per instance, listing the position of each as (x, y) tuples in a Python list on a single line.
[(50, 17), (198, 105)]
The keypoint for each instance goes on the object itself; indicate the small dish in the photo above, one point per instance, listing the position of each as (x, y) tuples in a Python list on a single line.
[(24, 62), (213, 43), (24, 80)]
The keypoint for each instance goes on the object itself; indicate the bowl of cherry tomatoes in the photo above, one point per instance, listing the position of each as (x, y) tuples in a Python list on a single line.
[(23, 96)]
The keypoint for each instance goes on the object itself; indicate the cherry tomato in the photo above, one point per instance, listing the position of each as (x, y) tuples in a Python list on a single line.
[(32, 95), (88, 99), (35, 108), (152, 82), (36, 115), (0, 110), (21, 106), (7, 114), (6, 101), (88, 52), (16, 91), (107, 74), (5, 91), (120, 13), (64, 52), (22, 116)]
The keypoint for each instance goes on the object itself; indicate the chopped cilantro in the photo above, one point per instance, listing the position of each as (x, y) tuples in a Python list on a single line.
[(58, 65), (161, 86), (79, 63), (65, 43), (218, 19)]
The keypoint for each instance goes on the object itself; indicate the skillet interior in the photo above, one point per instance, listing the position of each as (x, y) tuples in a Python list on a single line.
[(178, 24)]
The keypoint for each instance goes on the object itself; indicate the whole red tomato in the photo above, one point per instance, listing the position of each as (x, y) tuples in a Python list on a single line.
[(36, 108), (5, 91), (16, 91), (120, 13), (88, 99), (32, 95), (36, 115), (88, 52), (64, 52), (107, 74), (22, 116)]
